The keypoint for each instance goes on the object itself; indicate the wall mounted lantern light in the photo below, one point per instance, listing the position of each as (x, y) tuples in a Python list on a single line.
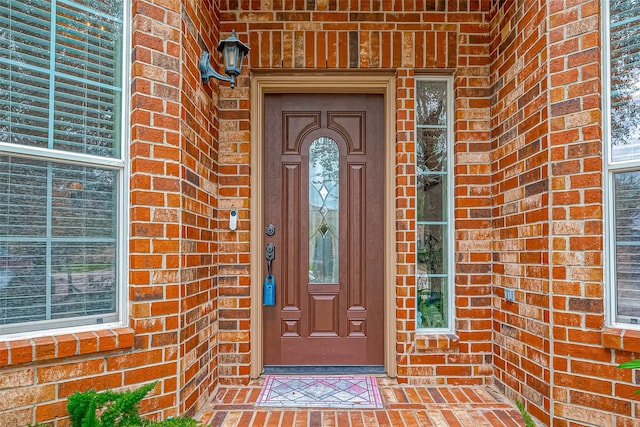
[(233, 53)]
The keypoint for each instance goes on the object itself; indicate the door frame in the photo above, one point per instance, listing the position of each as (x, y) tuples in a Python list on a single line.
[(331, 82)]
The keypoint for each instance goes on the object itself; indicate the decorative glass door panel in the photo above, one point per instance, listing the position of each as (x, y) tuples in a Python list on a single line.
[(324, 186)]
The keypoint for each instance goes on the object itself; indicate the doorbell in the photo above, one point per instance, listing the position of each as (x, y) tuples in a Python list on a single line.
[(233, 220)]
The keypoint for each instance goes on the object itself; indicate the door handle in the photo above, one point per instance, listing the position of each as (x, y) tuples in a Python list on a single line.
[(269, 254)]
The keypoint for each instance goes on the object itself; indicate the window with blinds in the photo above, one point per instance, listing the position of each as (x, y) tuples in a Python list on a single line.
[(61, 164), (623, 74)]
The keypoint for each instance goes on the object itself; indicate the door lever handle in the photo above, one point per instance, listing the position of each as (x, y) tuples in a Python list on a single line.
[(270, 254)]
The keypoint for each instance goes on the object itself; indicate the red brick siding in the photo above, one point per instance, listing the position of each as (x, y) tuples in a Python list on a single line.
[(234, 191), (552, 349), (199, 212), (520, 191), (405, 37), (587, 388)]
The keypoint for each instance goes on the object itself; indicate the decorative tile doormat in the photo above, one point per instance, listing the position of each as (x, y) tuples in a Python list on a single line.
[(315, 391)]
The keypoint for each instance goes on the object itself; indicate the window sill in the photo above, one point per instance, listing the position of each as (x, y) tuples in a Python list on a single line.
[(621, 339), (17, 351), (437, 343)]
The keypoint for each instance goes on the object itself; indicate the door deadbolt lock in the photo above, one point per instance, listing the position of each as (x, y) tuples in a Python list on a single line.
[(270, 230)]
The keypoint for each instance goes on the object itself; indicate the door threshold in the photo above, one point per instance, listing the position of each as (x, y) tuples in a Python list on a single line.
[(324, 370)]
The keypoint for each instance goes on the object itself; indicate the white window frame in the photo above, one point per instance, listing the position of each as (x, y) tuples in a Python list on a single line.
[(120, 164), (450, 223), (610, 168)]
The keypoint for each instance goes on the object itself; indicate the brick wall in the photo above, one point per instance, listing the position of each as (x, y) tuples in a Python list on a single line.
[(528, 205), (401, 37), (587, 388), (552, 349), (199, 208), (520, 190)]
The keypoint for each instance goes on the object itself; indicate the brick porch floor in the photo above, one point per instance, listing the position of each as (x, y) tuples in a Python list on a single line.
[(403, 406)]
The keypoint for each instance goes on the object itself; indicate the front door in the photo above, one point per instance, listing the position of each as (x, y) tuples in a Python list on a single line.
[(324, 196)]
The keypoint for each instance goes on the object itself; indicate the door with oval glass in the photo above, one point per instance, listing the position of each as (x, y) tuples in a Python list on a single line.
[(324, 209)]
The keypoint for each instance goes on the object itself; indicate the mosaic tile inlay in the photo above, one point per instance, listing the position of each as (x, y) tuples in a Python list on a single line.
[(300, 391)]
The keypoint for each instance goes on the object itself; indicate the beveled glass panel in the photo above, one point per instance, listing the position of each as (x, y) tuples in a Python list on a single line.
[(324, 169), (432, 245), (431, 103), (431, 150), (431, 193)]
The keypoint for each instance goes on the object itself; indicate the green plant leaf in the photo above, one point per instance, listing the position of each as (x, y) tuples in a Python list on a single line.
[(632, 364), (528, 421)]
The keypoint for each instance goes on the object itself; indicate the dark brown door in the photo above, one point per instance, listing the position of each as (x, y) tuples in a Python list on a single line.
[(323, 184)]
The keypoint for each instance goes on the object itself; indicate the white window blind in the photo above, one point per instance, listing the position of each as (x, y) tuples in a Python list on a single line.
[(60, 162)]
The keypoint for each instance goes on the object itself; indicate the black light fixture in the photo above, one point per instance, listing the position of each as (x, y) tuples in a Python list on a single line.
[(233, 53)]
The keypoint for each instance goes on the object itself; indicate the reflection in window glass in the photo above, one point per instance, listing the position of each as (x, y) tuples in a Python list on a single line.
[(624, 64), (58, 244), (624, 161), (324, 170), (627, 247), (60, 89), (432, 133)]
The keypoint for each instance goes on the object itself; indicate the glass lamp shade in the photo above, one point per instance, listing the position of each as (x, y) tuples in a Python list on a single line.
[(233, 52)]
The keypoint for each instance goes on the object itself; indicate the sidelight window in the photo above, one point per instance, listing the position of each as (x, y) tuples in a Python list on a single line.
[(433, 192), (61, 163)]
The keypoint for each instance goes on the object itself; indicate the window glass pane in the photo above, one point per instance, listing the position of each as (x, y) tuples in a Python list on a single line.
[(23, 198), (432, 197), (431, 244), (25, 28), (627, 233), (432, 204), (88, 44), (23, 288), (83, 203), (85, 120), (628, 291), (324, 164), (625, 80), (432, 302), (83, 279), (24, 106), (431, 102), (86, 81), (431, 150), (58, 245)]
